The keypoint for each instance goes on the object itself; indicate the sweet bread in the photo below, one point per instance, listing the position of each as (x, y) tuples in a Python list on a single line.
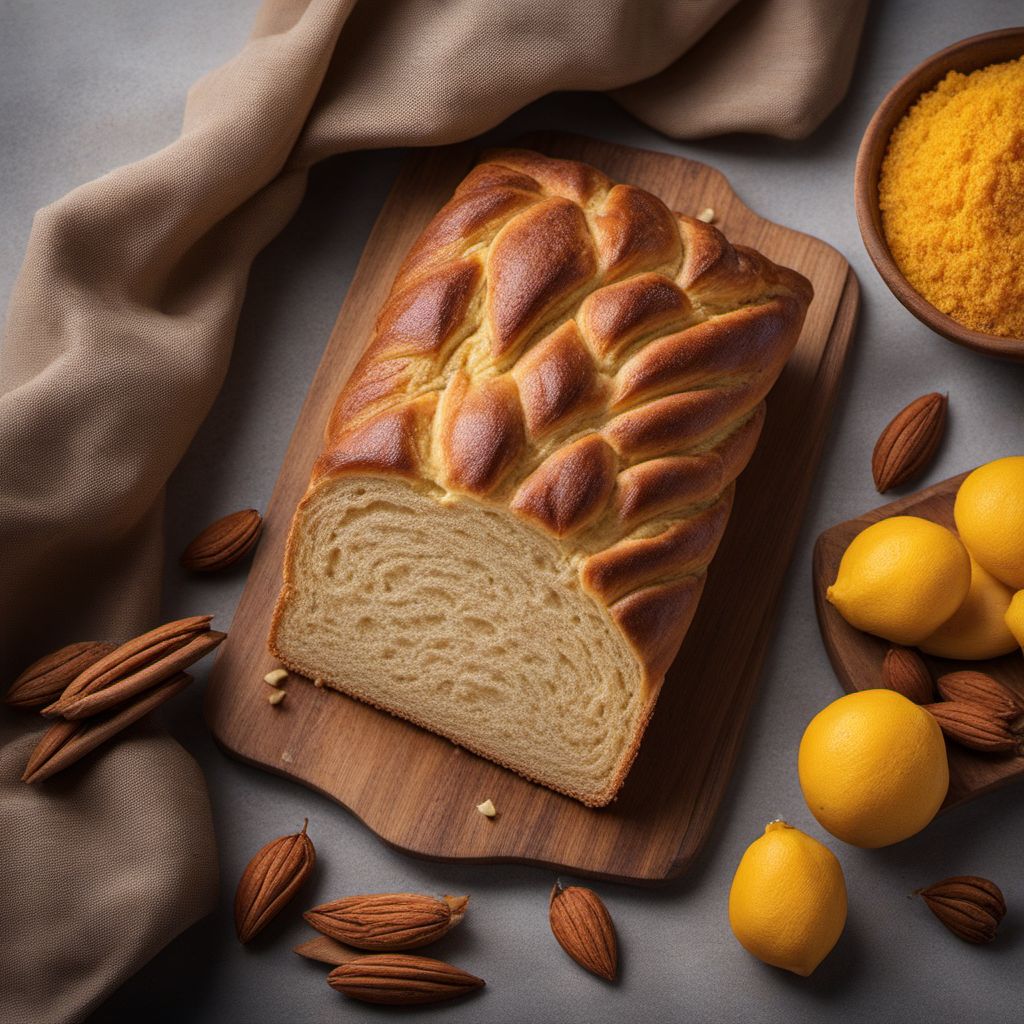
[(524, 480)]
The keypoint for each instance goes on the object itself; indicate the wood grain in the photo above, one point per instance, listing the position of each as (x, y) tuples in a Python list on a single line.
[(857, 657), (419, 792), (966, 56)]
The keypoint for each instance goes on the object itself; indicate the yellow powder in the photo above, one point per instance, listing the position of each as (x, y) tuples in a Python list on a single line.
[(952, 197)]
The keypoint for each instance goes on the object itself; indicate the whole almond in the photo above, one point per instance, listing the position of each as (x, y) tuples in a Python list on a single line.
[(85, 705), (398, 979), (904, 671), (270, 880), (137, 652), (65, 742), (584, 929), (135, 666), (979, 688), (974, 726), (388, 921), (223, 542), (44, 680), (909, 442), (969, 906)]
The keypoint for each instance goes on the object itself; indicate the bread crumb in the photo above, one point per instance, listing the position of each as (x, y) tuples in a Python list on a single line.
[(319, 684), (707, 215), (276, 697), (276, 677), (487, 809)]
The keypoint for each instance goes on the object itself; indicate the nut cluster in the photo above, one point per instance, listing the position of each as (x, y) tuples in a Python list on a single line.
[(975, 710), (94, 690), (367, 939)]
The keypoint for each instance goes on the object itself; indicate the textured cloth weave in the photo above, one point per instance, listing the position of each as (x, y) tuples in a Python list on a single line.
[(101, 870)]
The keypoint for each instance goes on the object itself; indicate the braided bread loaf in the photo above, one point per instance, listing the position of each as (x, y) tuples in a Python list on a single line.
[(530, 469)]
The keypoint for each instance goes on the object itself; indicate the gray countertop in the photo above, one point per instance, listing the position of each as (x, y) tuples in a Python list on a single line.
[(89, 85)]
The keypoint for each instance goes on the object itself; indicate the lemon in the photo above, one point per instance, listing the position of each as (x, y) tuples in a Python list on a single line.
[(1014, 617), (901, 579), (787, 904), (989, 513), (873, 767), (978, 628)]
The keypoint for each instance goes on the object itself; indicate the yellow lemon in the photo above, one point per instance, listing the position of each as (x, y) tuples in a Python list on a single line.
[(978, 628), (989, 513), (1015, 617), (901, 579), (787, 904), (873, 767)]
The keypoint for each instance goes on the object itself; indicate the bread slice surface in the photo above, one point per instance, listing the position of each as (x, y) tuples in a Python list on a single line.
[(466, 621)]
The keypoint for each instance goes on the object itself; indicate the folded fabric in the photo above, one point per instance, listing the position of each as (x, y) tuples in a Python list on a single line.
[(120, 330), (104, 864)]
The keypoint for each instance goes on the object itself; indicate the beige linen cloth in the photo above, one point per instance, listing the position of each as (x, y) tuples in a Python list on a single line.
[(119, 334)]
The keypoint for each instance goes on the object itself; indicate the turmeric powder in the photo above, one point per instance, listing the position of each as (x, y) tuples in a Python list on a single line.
[(951, 193)]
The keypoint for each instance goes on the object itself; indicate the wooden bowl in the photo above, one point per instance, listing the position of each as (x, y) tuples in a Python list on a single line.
[(967, 55)]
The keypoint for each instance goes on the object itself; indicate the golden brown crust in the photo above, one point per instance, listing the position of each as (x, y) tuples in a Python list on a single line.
[(570, 349), (558, 381), (684, 548), (656, 486), (570, 488), (656, 620)]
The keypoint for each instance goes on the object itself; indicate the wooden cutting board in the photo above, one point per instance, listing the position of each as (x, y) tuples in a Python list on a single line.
[(857, 657), (419, 792)]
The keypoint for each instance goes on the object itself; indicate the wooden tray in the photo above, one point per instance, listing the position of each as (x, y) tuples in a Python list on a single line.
[(417, 791), (857, 657)]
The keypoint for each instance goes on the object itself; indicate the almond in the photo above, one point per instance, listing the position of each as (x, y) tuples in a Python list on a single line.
[(974, 726), (584, 929), (136, 666), (970, 907), (65, 742), (979, 688), (270, 880), (117, 692), (137, 652), (909, 442), (904, 671), (388, 921), (223, 542), (326, 950), (397, 979), (45, 679)]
